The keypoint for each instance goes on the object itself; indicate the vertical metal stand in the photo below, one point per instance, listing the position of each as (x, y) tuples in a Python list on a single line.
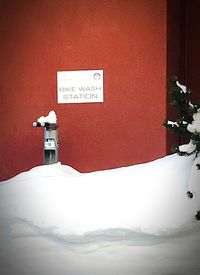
[(50, 155)]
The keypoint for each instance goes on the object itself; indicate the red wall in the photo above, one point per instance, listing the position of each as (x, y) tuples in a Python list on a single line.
[(127, 39)]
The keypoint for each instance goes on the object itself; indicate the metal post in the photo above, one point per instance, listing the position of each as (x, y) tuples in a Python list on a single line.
[(50, 155)]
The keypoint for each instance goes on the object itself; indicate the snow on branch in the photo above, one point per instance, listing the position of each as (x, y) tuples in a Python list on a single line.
[(194, 127), (182, 87), (189, 148)]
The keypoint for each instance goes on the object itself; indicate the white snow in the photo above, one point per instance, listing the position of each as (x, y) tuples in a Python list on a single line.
[(195, 125), (131, 220), (188, 148), (169, 122), (50, 118), (191, 105), (183, 88), (194, 179)]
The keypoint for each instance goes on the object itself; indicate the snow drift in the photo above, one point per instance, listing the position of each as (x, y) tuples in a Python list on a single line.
[(149, 198), (55, 220)]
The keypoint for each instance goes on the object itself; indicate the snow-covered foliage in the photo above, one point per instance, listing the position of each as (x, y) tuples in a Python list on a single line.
[(194, 127), (188, 148), (182, 87), (187, 124)]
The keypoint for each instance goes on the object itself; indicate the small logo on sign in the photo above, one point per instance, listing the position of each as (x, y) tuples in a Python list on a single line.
[(97, 76)]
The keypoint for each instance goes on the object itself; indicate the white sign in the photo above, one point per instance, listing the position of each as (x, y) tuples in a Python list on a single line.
[(80, 86)]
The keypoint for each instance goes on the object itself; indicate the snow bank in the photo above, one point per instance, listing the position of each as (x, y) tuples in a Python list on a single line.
[(194, 127), (57, 199)]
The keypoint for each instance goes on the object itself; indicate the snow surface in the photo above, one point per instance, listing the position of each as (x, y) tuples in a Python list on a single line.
[(131, 220)]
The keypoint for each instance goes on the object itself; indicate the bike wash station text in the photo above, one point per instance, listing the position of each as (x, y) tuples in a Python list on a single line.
[(80, 86)]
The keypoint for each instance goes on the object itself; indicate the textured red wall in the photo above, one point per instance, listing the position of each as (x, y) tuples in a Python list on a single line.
[(127, 39)]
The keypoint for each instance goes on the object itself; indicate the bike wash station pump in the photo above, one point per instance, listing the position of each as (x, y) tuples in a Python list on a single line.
[(50, 154)]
